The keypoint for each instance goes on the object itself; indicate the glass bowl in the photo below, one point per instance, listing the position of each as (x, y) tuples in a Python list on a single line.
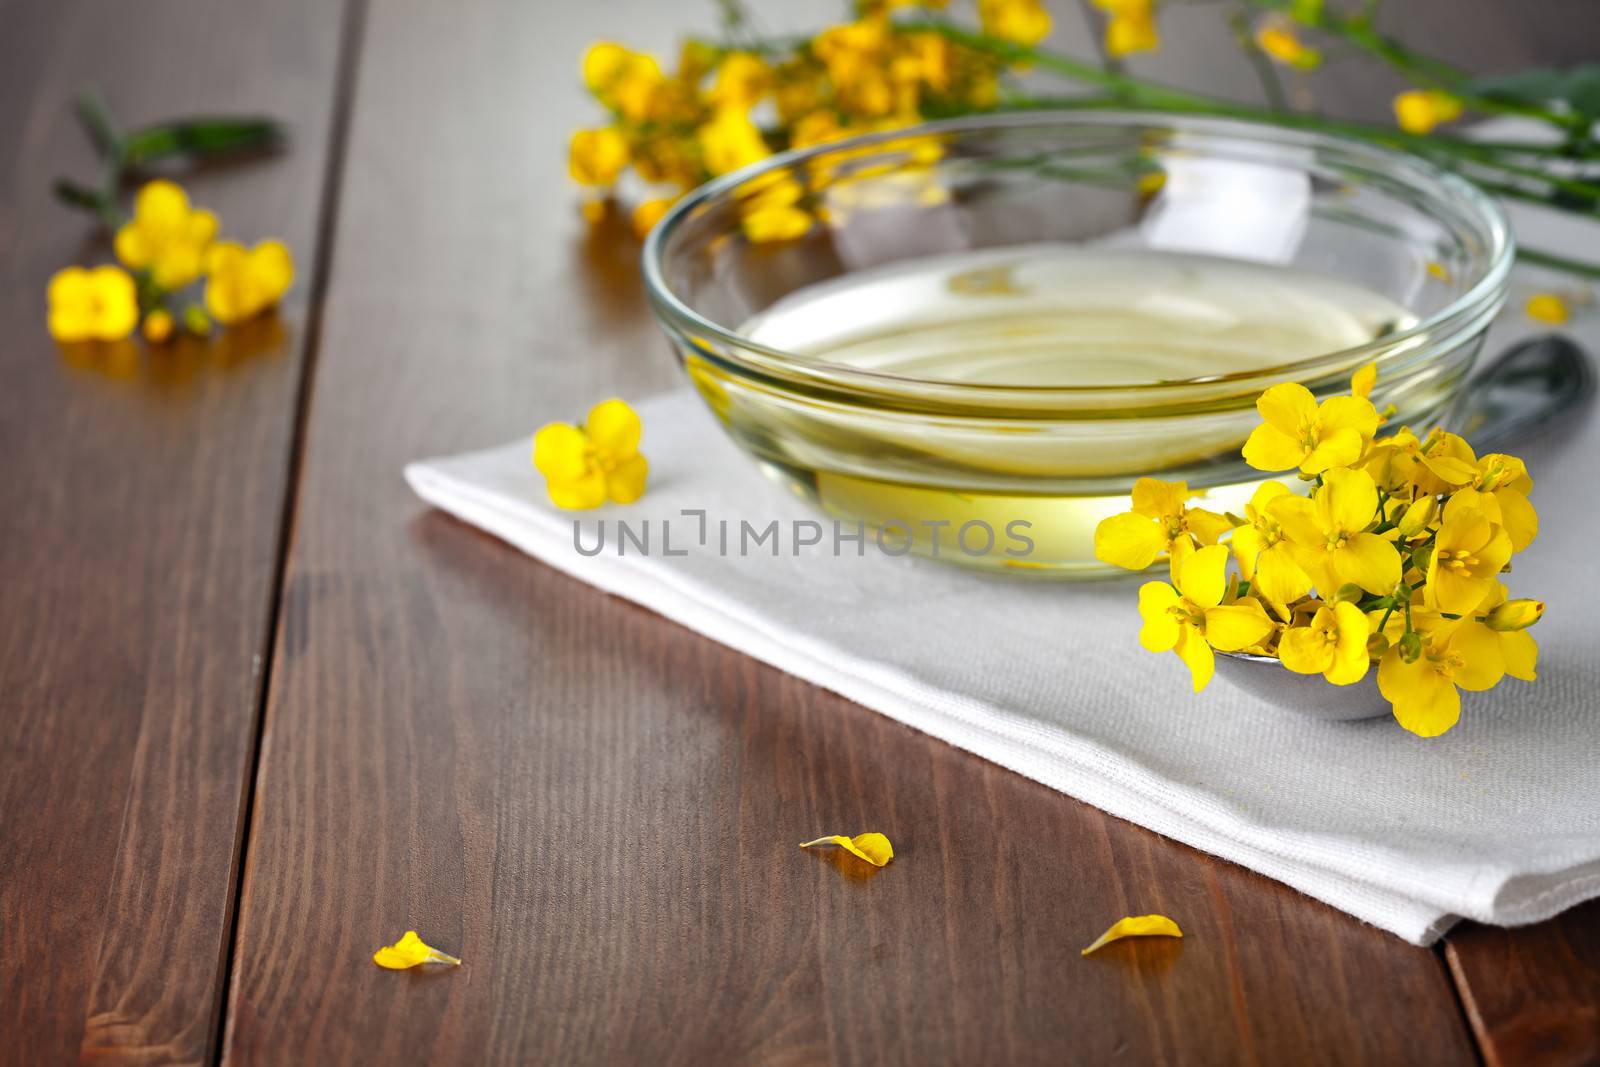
[(970, 337)]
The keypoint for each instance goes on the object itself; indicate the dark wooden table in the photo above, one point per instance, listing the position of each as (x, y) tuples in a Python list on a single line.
[(262, 710)]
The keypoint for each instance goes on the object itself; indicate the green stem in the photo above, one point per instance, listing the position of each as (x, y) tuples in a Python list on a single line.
[(1266, 73), (1430, 72), (1550, 259)]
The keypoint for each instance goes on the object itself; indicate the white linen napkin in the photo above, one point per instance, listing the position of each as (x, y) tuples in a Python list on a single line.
[(1498, 820)]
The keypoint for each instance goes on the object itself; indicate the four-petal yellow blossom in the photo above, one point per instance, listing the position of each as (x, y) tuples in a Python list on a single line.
[(585, 466), (1297, 432), (596, 157), (1362, 381), (1469, 552), (1433, 465), (1159, 523), (1266, 561), (872, 847), (166, 236), (1130, 28), (730, 141), (1500, 490), (243, 282), (1332, 542), (1192, 619), (1135, 926), (1509, 620), (1333, 645), (1424, 692), (1279, 40), (1420, 110), (647, 214), (410, 951), (92, 305), (628, 82), (1024, 21), (743, 78)]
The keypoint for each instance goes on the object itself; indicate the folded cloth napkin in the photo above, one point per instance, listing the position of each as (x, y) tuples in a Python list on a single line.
[(1498, 820)]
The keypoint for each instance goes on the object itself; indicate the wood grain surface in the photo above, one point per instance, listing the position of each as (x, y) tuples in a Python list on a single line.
[(595, 808), (141, 503), (1532, 994)]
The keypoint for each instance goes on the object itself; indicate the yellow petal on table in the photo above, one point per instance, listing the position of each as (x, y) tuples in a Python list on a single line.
[(1136, 926), (874, 848), (410, 951)]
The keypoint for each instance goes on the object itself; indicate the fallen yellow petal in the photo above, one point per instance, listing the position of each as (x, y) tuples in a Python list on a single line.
[(1136, 926), (410, 951), (874, 848), (1547, 307)]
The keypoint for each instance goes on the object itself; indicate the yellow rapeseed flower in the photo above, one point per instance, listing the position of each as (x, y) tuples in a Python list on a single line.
[(1500, 490), (647, 214), (1509, 620), (1296, 432), (1468, 554), (585, 466), (243, 282), (743, 78), (1455, 654), (1420, 110), (92, 305), (1192, 619), (166, 236), (1330, 537), (1159, 523), (1279, 40), (1333, 644), (596, 157), (1024, 21), (1265, 559), (730, 141), (1131, 27), (628, 82)]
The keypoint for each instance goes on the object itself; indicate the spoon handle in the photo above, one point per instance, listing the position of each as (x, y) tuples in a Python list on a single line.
[(1527, 390)]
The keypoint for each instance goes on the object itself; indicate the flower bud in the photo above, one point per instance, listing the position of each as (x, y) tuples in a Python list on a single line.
[(1411, 646), (1515, 615), (1377, 645), (196, 321), (1417, 517), (1350, 593)]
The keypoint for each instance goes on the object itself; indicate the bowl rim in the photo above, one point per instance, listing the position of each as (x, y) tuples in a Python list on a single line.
[(1469, 312)]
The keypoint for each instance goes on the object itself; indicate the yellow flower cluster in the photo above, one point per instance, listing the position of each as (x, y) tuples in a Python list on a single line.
[(723, 109), (1394, 558), (167, 246)]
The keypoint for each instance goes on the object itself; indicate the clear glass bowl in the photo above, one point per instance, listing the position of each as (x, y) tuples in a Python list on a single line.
[(934, 459)]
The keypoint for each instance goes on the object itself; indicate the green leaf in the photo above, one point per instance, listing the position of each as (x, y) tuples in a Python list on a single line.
[(74, 195), (1579, 87), (1583, 91), (1537, 86), (201, 137)]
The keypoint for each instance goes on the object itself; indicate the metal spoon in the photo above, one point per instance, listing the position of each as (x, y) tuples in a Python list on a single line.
[(1530, 389)]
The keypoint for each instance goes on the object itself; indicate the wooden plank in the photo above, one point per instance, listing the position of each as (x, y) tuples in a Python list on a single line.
[(597, 809), (1532, 993), (141, 505)]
